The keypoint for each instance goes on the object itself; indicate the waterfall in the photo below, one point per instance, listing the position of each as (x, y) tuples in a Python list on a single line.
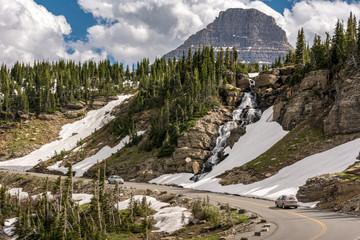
[(246, 113)]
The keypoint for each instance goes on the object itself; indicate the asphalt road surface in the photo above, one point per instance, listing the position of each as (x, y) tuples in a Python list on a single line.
[(294, 224)]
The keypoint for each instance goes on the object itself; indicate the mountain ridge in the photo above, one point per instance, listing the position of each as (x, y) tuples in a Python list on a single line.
[(256, 36)]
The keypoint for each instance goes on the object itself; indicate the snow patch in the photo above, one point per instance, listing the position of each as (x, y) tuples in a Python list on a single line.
[(18, 192), (57, 167), (81, 167), (9, 226), (259, 137), (94, 119), (168, 219), (82, 198), (40, 195), (252, 75)]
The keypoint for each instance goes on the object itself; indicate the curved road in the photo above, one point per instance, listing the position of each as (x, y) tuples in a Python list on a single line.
[(301, 223), (294, 224)]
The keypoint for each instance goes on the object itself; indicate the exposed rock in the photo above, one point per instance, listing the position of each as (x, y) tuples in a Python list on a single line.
[(112, 98), (242, 81), (287, 71), (344, 116), (184, 152), (195, 166), (230, 94), (49, 116), (316, 80), (272, 71), (23, 116), (203, 134), (289, 114), (96, 104), (255, 35), (73, 113), (333, 193), (315, 187), (75, 105), (265, 80), (354, 169), (236, 133)]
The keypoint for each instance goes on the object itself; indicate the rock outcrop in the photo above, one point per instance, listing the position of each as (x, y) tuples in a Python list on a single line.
[(256, 36), (49, 116), (334, 192), (344, 116), (199, 140)]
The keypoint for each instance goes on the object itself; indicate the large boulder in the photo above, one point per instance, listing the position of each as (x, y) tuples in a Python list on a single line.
[(70, 113), (242, 81), (344, 116), (236, 133), (316, 80), (266, 80), (49, 116), (75, 105), (230, 94)]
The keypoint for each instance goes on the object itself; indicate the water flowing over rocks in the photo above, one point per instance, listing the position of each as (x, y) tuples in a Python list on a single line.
[(198, 141), (246, 113), (255, 35)]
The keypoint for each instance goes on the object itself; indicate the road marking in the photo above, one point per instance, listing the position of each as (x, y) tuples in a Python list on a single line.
[(324, 227)]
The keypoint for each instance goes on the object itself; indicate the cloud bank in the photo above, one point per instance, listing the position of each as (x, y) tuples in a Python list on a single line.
[(131, 30)]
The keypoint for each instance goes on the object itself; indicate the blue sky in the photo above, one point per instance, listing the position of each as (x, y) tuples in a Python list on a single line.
[(129, 30), (75, 16)]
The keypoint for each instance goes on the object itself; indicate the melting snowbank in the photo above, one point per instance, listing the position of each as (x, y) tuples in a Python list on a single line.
[(94, 119), (81, 167), (259, 137), (9, 226), (82, 198), (168, 219)]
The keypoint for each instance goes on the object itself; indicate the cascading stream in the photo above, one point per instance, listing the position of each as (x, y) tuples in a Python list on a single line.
[(245, 114)]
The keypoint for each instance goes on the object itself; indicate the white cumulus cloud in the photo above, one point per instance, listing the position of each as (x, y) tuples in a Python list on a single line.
[(317, 17), (131, 30), (29, 31)]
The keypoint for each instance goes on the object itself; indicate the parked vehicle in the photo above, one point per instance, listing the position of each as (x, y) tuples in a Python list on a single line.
[(115, 178), (286, 201)]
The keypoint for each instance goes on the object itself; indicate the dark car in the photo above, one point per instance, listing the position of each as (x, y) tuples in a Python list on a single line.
[(286, 201)]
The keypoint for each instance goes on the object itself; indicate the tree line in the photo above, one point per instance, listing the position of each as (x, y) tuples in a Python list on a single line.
[(335, 53), (46, 87), (60, 217)]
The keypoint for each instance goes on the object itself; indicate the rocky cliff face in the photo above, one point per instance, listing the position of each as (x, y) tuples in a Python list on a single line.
[(337, 193), (253, 33)]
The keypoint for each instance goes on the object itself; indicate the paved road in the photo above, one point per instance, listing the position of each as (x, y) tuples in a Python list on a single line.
[(294, 224), (301, 223)]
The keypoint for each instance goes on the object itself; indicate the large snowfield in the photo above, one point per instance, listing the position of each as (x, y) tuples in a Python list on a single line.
[(259, 137), (69, 136)]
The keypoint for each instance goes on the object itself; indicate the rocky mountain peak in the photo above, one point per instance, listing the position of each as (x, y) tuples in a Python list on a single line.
[(256, 36)]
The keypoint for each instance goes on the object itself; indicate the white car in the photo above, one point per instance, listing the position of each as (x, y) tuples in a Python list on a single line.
[(115, 178)]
